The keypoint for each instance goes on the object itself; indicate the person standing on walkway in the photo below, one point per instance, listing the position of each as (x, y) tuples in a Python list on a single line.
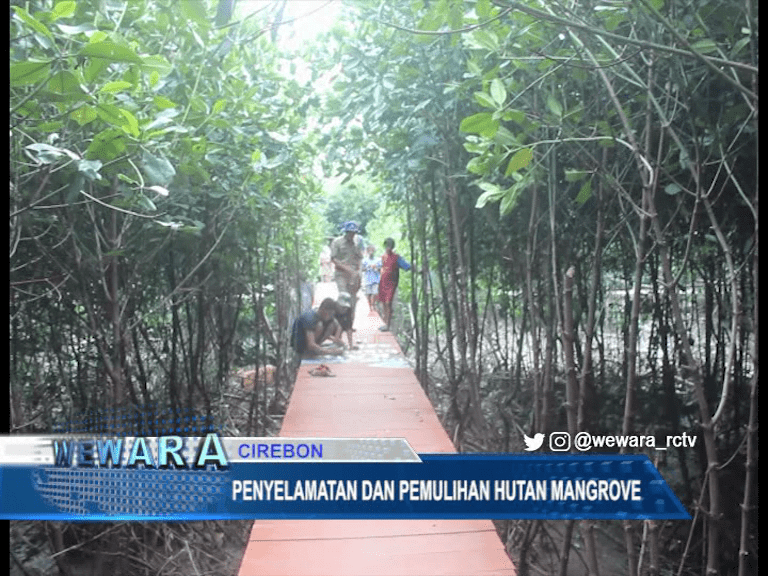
[(371, 276), (344, 318), (347, 257), (391, 263), (326, 266)]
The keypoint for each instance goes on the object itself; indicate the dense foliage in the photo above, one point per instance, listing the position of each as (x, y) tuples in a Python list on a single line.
[(161, 220), (578, 183), (159, 190), (575, 183)]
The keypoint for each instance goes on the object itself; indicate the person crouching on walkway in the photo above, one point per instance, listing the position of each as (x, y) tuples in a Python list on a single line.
[(390, 276), (314, 327), (344, 319)]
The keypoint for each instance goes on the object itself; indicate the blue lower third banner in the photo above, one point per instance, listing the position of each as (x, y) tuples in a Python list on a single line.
[(236, 478)]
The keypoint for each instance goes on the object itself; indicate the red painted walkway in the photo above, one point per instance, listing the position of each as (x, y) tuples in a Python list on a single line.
[(374, 394)]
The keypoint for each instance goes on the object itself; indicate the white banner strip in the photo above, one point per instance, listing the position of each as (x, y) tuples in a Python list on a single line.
[(41, 450)]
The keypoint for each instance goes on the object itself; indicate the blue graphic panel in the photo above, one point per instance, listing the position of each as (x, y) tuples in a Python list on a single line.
[(497, 486)]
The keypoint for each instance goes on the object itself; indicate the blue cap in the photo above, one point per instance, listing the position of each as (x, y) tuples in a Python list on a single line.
[(350, 227)]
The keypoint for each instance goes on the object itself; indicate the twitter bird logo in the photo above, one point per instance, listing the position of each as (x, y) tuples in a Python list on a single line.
[(534, 443)]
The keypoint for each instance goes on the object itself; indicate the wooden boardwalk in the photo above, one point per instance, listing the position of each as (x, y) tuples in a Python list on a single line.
[(374, 394)]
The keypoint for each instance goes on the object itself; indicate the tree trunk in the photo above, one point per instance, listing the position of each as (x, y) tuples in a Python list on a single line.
[(750, 479), (587, 398), (692, 371), (540, 412)]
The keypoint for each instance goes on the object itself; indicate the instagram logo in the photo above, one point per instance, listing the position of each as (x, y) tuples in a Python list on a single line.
[(559, 441)]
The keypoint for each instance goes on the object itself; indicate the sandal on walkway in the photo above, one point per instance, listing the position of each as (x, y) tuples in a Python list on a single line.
[(322, 370)]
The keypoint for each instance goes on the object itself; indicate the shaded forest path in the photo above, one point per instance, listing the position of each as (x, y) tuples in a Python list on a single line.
[(374, 394)]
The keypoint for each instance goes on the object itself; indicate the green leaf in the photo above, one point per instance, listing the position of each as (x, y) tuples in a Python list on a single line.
[(36, 25), (704, 46), (672, 189), (510, 198), (89, 169), (434, 18), (74, 188), (97, 36), (739, 46), (615, 20), (195, 172), (159, 189), (107, 145), (116, 86), (585, 192), (456, 17), (171, 225), (195, 10), (94, 68), (63, 9), (64, 83), (492, 194), (483, 38), (131, 125), (521, 159), (108, 50), (572, 175), (84, 115), (110, 114), (24, 73), (554, 106), (123, 178), (47, 154), (545, 64), (485, 100), (132, 75), (482, 123), (506, 138), (163, 118), (498, 92), (52, 126), (515, 116), (157, 169), (477, 165), (475, 147), (219, 106), (73, 30), (604, 128), (163, 103), (146, 203), (473, 68), (157, 64)]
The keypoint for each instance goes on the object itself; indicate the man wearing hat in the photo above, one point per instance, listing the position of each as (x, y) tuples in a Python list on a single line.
[(347, 258)]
